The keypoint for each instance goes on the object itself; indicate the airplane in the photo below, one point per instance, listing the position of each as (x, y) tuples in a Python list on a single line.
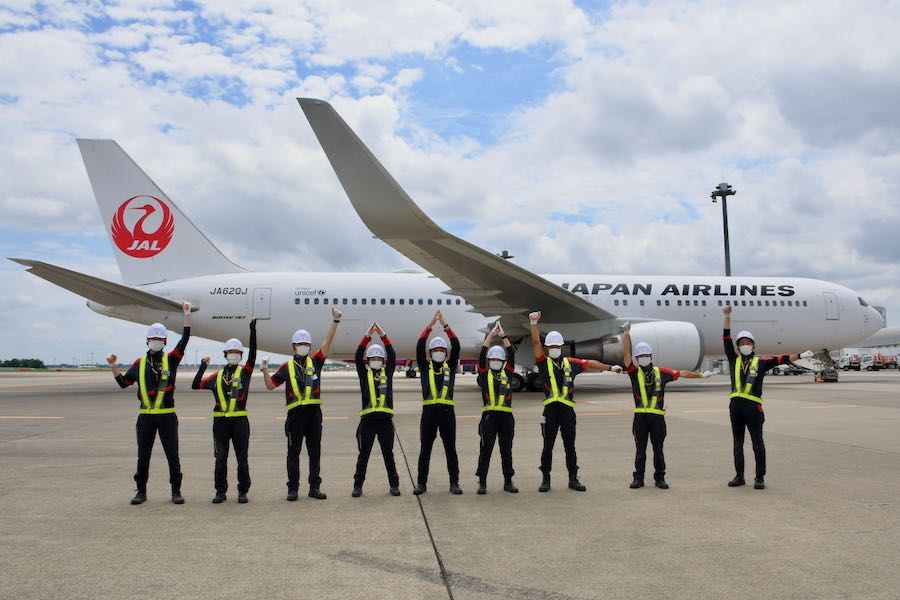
[(165, 259)]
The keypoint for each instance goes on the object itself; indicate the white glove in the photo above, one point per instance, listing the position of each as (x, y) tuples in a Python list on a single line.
[(615, 369), (336, 314), (265, 363), (807, 354), (706, 374), (535, 316), (186, 308)]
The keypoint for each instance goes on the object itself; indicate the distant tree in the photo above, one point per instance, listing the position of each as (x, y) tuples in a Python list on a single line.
[(33, 363)]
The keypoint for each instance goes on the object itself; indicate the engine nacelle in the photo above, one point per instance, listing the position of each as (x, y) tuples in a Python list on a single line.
[(676, 344)]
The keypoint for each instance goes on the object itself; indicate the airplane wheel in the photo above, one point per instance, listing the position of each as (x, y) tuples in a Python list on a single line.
[(411, 373), (533, 382), (776, 371), (516, 383)]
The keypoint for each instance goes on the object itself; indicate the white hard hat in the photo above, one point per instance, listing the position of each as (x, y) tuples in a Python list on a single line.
[(374, 350), (746, 334), (642, 348), (301, 336), (234, 344), (554, 338), (496, 353), (437, 342), (157, 330)]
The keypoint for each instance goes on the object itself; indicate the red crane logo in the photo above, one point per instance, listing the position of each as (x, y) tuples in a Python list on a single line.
[(137, 242)]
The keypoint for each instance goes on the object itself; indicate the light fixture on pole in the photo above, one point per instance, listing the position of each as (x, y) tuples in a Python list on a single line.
[(723, 190)]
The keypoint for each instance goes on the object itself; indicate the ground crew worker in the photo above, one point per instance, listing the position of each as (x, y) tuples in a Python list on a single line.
[(437, 374), (496, 365), (747, 371), (648, 386), (302, 398), (557, 375), (155, 375), (230, 388), (375, 367)]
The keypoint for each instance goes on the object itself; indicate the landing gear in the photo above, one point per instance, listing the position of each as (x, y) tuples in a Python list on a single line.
[(533, 382), (411, 373), (516, 383)]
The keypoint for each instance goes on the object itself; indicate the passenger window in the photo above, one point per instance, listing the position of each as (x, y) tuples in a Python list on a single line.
[(305, 301), (458, 301), (315, 300), (429, 302), (616, 302), (743, 303), (667, 302), (703, 302), (624, 302), (642, 302), (401, 301), (363, 300), (679, 302), (804, 303), (659, 302), (720, 303), (382, 302), (392, 301), (420, 302), (439, 301), (373, 302), (353, 301), (324, 300)]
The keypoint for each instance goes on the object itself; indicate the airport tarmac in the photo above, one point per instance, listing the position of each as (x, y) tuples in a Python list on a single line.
[(826, 526)]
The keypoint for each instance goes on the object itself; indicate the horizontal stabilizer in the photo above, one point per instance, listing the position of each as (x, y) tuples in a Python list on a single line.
[(97, 290)]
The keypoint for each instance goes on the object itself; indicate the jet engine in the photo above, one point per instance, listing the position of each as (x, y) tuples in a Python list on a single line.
[(676, 344)]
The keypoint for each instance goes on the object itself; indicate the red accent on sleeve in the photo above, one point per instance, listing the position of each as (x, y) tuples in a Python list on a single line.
[(631, 369), (482, 369), (319, 355), (248, 367), (207, 379), (509, 368), (176, 353), (365, 340), (424, 334), (450, 333), (671, 372), (386, 340), (579, 361), (540, 359)]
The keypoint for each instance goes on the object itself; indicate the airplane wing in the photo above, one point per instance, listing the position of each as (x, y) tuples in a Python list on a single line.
[(492, 285), (95, 289)]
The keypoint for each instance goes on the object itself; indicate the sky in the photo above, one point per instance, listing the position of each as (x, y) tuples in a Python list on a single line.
[(581, 136)]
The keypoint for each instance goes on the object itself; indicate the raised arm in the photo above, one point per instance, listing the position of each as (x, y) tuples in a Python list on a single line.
[(186, 333), (626, 344), (325, 348), (204, 362), (112, 361), (267, 377), (251, 356), (726, 334), (596, 365), (533, 318), (388, 349)]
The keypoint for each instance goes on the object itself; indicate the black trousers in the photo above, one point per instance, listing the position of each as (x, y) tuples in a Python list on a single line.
[(366, 433), (303, 423), (228, 431), (654, 427), (559, 418), (145, 429), (496, 425), (438, 418), (749, 414)]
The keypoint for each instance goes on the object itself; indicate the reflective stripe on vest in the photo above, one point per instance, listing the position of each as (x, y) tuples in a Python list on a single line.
[(744, 391), (567, 381), (650, 407), (309, 373), (226, 403), (492, 395), (156, 407), (377, 402), (435, 398)]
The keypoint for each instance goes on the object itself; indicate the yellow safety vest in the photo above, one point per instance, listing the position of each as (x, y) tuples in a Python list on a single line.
[(567, 381), (306, 398), (435, 398), (744, 391), (492, 395), (226, 403), (377, 401), (156, 407), (650, 407)]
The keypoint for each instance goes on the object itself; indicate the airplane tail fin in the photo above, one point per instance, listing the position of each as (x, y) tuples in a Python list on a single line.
[(152, 239)]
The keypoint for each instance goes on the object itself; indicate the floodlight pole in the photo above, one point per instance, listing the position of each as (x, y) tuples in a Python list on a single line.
[(723, 190)]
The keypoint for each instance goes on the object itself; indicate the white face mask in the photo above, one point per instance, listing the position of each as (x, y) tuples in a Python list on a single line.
[(301, 349), (644, 361), (375, 363), (233, 358), (746, 349), (496, 365), (554, 352), (438, 356), (157, 345)]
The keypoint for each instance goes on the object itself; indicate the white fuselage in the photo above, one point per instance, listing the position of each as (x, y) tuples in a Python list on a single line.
[(785, 314)]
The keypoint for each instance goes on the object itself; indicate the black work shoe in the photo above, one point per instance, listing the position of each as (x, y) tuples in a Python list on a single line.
[(736, 482), (177, 498), (455, 489), (292, 496), (759, 484), (315, 492), (242, 498), (510, 487), (219, 498), (357, 492), (545, 484), (395, 491), (637, 483), (139, 497), (576, 485), (482, 488), (661, 484), (420, 489)]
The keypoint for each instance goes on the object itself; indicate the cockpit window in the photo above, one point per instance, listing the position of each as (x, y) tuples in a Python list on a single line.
[(862, 302)]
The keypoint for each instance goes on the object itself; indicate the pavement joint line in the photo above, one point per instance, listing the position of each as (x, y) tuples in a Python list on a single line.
[(444, 576), (28, 417), (828, 406)]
